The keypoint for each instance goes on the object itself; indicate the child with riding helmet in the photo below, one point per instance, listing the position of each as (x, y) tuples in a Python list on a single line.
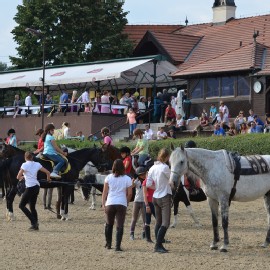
[(52, 151), (141, 148), (138, 204)]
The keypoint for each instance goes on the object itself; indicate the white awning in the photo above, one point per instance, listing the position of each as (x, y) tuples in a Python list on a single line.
[(118, 74)]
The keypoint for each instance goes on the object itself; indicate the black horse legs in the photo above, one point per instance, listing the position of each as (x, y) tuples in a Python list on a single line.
[(10, 198)]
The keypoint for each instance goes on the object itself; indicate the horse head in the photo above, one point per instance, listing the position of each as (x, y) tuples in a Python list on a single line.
[(179, 164), (110, 152), (9, 151)]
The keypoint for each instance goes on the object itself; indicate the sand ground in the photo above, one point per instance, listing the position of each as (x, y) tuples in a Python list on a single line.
[(79, 243)]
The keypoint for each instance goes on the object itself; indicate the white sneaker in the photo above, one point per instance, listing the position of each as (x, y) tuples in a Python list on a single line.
[(55, 175)]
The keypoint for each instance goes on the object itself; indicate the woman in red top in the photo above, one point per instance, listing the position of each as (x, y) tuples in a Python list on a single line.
[(170, 114), (40, 146), (125, 154)]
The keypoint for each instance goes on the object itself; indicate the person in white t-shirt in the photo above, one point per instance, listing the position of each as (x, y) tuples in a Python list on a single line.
[(158, 179), (116, 195), (161, 134), (148, 133), (66, 130), (28, 172)]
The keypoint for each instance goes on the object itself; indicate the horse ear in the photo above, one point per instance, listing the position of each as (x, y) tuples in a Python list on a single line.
[(182, 147), (172, 146)]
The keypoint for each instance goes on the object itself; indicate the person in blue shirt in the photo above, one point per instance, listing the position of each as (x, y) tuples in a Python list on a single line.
[(259, 124), (52, 151), (63, 99), (157, 107), (219, 131)]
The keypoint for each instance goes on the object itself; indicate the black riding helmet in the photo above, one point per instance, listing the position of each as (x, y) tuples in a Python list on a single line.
[(125, 150), (140, 170), (190, 144), (11, 131)]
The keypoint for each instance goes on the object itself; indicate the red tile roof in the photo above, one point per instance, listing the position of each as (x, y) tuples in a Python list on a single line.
[(136, 32), (219, 49), (177, 46), (243, 58)]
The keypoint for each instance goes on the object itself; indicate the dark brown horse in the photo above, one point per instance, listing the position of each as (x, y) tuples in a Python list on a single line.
[(77, 160)]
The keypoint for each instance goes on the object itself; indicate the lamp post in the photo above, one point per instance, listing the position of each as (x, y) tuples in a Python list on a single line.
[(39, 34)]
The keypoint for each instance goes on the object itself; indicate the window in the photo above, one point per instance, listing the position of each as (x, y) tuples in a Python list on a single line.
[(212, 87), (227, 86), (197, 91), (243, 86)]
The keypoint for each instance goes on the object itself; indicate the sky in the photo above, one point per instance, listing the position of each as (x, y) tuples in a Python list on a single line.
[(140, 12)]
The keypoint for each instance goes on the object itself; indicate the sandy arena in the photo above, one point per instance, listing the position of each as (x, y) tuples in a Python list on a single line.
[(79, 243)]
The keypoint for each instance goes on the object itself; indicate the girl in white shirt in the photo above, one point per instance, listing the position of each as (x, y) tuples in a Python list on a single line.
[(158, 176), (29, 171), (117, 192)]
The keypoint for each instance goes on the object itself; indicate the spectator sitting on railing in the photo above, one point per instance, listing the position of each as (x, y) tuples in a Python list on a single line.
[(171, 133), (267, 123), (92, 138), (259, 123), (148, 133), (180, 123), (219, 131), (239, 120), (80, 135), (170, 114), (243, 128), (16, 103), (232, 131), (203, 123), (161, 134)]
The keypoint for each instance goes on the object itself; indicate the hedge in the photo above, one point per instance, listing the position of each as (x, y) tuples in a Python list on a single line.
[(248, 144)]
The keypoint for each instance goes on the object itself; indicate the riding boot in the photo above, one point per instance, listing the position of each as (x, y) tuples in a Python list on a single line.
[(119, 236), (148, 234), (157, 227), (159, 247), (108, 236)]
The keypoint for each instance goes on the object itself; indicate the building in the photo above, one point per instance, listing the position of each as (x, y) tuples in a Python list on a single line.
[(227, 59)]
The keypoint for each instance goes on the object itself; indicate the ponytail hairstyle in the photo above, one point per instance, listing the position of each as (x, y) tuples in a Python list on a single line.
[(48, 128)]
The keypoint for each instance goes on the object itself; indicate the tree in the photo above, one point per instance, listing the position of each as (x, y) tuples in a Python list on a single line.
[(73, 32), (3, 66)]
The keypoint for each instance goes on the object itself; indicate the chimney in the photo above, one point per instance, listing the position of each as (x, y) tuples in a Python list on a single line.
[(223, 10)]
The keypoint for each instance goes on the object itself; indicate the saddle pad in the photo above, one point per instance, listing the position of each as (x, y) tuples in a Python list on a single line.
[(251, 165), (66, 168)]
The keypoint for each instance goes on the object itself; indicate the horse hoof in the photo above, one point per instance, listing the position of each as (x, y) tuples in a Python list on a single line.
[(223, 250), (63, 218), (172, 226), (213, 248)]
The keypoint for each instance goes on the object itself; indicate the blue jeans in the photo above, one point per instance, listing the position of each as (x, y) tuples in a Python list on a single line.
[(141, 159), (132, 128), (60, 162)]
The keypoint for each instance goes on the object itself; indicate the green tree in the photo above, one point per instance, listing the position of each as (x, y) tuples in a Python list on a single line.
[(73, 32), (3, 66)]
